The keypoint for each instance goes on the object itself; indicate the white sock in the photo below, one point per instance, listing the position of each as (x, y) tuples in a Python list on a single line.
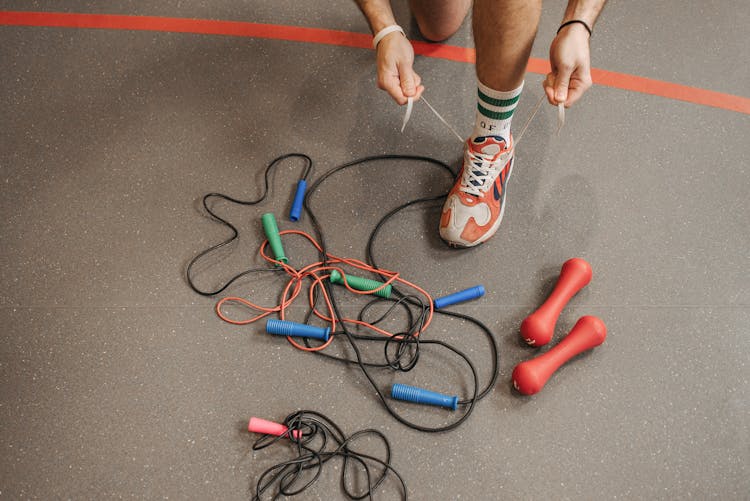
[(495, 111)]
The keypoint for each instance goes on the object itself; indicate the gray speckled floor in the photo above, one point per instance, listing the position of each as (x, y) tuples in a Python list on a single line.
[(116, 380)]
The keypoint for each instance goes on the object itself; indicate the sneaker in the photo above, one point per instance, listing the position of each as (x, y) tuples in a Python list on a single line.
[(475, 205)]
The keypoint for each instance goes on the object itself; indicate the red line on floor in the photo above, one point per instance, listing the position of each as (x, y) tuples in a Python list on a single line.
[(359, 40)]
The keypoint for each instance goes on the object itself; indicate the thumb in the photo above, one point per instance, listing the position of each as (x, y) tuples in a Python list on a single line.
[(562, 81), (408, 80)]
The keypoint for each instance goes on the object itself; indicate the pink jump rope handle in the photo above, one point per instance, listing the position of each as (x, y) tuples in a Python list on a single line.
[(258, 425), (530, 376), (537, 329)]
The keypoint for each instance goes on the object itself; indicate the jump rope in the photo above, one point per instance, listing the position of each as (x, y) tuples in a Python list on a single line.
[(401, 350), (316, 440), (311, 432)]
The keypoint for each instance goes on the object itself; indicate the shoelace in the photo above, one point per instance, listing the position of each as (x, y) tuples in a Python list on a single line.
[(483, 171), (481, 176), (479, 179)]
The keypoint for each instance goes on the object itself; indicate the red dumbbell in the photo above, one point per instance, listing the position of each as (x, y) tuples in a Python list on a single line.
[(530, 376), (537, 329)]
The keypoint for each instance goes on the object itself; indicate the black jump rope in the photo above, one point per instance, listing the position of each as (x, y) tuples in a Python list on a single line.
[(401, 352)]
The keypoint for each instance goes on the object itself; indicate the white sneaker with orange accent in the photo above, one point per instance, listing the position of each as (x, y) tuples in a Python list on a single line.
[(475, 205)]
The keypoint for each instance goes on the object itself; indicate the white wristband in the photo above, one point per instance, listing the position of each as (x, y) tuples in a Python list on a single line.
[(385, 31)]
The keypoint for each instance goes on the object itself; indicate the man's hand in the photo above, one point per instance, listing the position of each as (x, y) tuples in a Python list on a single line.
[(571, 66), (396, 76)]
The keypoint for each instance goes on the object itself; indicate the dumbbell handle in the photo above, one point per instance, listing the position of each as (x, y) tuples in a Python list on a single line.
[(530, 376), (537, 329)]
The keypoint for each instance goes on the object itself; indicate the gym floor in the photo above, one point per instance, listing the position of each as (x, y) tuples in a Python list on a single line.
[(119, 381)]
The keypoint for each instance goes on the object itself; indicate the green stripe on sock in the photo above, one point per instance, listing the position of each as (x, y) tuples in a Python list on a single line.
[(495, 115), (497, 102)]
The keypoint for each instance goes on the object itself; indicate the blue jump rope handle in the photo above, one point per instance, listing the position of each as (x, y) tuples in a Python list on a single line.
[(287, 328), (421, 396), (299, 197), (459, 297)]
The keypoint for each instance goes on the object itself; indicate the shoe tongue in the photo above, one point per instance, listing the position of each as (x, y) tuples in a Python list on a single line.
[(491, 149)]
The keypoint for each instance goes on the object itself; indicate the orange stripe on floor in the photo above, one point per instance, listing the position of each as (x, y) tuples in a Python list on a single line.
[(358, 40)]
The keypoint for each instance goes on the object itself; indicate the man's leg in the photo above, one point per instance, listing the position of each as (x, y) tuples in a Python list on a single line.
[(504, 32), (439, 19)]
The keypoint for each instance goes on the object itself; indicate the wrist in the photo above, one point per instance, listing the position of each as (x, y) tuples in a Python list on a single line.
[(575, 24), (386, 31)]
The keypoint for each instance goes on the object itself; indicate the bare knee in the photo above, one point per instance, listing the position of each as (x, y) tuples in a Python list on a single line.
[(439, 20), (437, 33)]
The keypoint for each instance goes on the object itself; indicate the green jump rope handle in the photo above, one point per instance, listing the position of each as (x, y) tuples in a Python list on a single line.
[(361, 284), (274, 239)]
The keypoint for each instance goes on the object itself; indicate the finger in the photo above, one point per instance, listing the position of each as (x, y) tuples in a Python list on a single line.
[(578, 86), (408, 80), (391, 84), (420, 90), (574, 94), (420, 87), (397, 95), (562, 82), (549, 88)]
